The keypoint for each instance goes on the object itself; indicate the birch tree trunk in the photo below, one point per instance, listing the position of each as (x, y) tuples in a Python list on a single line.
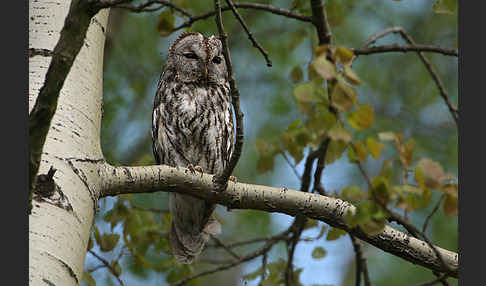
[(62, 216)]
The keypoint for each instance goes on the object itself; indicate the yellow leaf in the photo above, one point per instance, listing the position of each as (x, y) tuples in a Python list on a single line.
[(374, 147), (361, 118), (343, 96), (351, 76), (337, 132), (324, 67), (358, 152), (344, 55)]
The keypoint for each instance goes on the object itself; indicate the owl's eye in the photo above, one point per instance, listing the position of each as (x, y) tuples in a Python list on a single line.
[(217, 60), (190, 55)]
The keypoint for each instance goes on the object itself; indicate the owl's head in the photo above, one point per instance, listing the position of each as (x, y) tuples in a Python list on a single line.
[(196, 58)]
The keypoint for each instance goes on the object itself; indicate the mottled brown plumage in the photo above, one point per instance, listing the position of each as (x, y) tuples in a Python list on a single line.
[(192, 124)]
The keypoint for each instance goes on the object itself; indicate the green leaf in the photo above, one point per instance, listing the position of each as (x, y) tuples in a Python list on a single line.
[(361, 118), (357, 152), (97, 235), (381, 189), (324, 67), (352, 194), (369, 216), (344, 96), (351, 76), (334, 233), (337, 132), (88, 279), (335, 150), (253, 275), (445, 7), (374, 147), (318, 253), (296, 75), (109, 241), (116, 267), (304, 92), (165, 26), (90, 243)]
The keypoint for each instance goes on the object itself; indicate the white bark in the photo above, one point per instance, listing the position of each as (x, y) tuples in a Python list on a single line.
[(120, 180), (59, 226)]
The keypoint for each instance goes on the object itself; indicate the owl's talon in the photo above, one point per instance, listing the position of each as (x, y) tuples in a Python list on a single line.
[(233, 179), (193, 169)]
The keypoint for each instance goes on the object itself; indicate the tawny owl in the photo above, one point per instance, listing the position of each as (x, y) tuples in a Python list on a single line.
[(192, 124)]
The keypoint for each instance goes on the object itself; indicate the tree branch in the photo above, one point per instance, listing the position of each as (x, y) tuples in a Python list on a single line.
[(149, 179), (427, 64), (221, 180), (361, 266), (403, 49), (246, 258), (107, 265), (250, 35), (319, 19)]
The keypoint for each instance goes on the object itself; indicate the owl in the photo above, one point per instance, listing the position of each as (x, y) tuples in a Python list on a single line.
[(192, 125)]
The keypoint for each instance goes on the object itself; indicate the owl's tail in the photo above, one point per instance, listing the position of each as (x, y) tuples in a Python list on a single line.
[(187, 236)]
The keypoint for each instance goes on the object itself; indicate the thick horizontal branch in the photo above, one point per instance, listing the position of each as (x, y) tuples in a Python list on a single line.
[(148, 179), (403, 49)]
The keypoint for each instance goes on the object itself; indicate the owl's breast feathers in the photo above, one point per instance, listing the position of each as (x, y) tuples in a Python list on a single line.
[(193, 125)]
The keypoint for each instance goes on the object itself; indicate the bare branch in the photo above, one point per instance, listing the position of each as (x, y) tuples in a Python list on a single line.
[(361, 266), (250, 35), (403, 49), (149, 179), (221, 180), (146, 7), (244, 5), (319, 19), (219, 243), (107, 265), (246, 258), (437, 205), (427, 64)]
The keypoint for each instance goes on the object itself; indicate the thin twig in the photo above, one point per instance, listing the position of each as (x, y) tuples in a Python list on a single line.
[(433, 282), (427, 64), (244, 5), (321, 159), (437, 205), (246, 258), (264, 266), (408, 48), (221, 180), (361, 266), (219, 243), (108, 265), (145, 7), (292, 166), (247, 30)]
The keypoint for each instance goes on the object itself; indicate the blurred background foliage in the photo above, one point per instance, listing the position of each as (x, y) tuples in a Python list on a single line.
[(398, 87)]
